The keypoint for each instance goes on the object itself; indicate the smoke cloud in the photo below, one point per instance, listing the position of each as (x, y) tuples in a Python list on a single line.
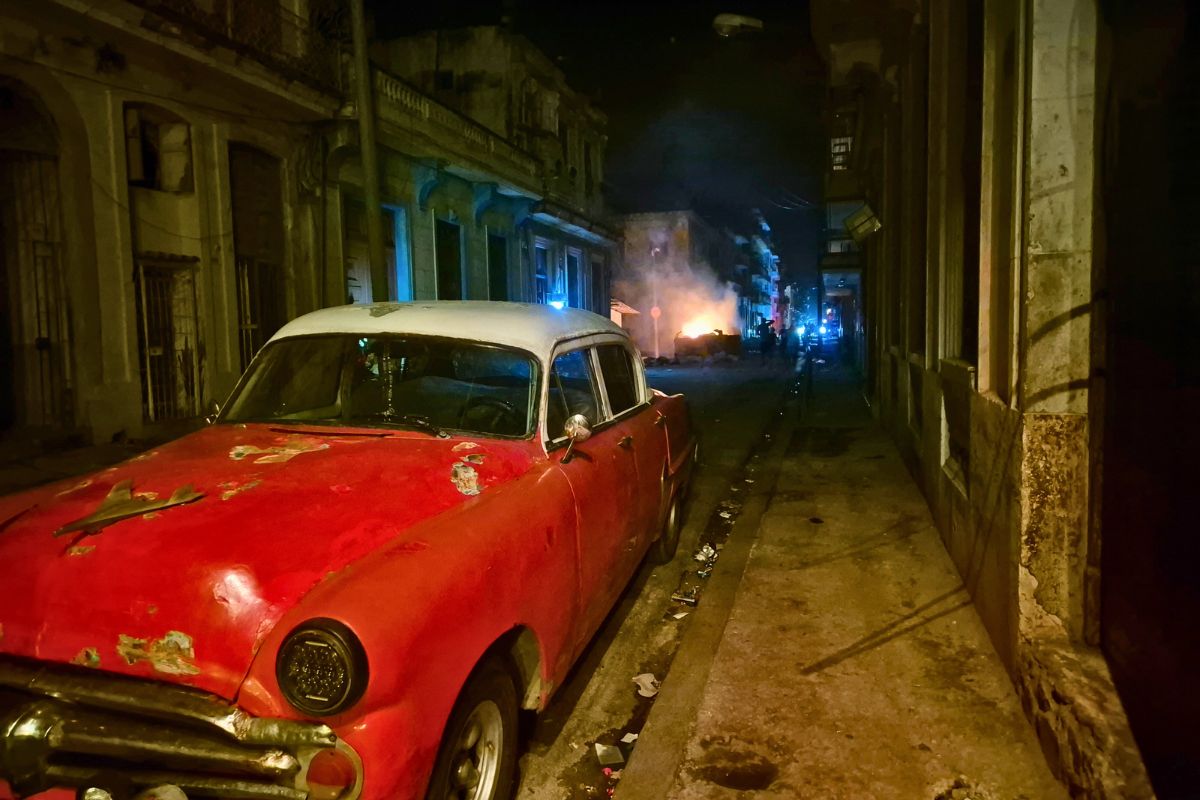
[(693, 301)]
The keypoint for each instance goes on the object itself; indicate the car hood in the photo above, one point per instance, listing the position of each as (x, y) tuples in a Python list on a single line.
[(177, 563)]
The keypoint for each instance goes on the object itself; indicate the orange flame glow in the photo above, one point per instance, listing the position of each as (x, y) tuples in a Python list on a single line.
[(698, 326)]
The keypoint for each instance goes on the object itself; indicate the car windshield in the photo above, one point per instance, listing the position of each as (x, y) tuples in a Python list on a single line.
[(420, 382)]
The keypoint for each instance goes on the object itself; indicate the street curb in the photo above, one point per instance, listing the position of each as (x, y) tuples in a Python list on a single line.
[(660, 750)]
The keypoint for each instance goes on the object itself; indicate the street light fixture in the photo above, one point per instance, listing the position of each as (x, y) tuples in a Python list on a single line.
[(655, 311), (728, 25)]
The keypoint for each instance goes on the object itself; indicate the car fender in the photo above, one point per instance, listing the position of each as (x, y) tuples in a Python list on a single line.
[(428, 607)]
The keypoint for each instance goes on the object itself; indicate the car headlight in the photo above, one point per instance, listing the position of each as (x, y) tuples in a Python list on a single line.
[(321, 667)]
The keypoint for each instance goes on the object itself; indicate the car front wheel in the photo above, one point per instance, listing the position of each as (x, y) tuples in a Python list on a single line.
[(478, 756)]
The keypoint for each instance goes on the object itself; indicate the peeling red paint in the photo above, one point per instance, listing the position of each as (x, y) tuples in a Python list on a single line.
[(233, 488), (87, 657), (465, 479), (173, 654), (81, 485), (286, 448)]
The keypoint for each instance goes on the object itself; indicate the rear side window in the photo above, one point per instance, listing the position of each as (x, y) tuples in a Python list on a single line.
[(620, 379), (571, 391)]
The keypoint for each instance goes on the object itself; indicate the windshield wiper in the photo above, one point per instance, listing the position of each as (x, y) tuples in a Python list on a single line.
[(407, 420), (307, 426)]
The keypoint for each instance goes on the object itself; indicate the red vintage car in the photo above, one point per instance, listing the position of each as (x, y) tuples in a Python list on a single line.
[(402, 528)]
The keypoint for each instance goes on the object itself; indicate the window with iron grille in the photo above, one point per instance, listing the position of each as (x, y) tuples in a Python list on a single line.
[(169, 349), (840, 148), (260, 307)]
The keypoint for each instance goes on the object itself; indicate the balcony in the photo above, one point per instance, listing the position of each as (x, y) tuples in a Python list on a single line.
[(301, 40), (404, 109)]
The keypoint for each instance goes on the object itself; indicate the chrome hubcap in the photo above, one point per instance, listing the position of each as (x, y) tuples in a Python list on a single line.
[(477, 755)]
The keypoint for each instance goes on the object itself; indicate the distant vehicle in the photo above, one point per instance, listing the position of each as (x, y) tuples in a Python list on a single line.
[(818, 331), (404, 526)]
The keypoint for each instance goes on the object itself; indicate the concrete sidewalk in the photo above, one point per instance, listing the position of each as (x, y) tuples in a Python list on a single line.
[(853, 664)]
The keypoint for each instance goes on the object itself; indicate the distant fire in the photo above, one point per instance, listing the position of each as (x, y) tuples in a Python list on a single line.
[(692, 303), (698, 327)]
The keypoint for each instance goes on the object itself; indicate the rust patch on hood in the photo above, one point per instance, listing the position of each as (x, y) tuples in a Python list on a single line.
[(87, 657), (80, 549), (81, 485), (233, 488), (465, 479), (473, 458), (121, 503), (289, 449), (172, 654), (458, 448)]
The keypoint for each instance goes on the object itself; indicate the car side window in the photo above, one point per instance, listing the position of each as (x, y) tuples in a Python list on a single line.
[(572, 390), (620, 378)]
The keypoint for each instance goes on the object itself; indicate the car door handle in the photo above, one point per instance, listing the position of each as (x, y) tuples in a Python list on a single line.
[(659, 419), (626, 442)]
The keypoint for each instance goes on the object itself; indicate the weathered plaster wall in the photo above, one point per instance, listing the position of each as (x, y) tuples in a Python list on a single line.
[(1016, 521), (106, 221)]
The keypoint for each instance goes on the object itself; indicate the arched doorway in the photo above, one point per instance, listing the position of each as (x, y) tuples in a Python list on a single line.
[(35, 363)]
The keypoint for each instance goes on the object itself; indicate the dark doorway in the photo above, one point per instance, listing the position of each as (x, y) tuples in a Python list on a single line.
[(448, 242), (599, 286), (35, 347), (359, 288), (573, 297), (1151, 429), (497, 267), (257, 192), (541, 274)]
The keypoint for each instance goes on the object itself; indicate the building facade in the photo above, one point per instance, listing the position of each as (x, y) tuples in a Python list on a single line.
[(179, 179), (569, 244), (157, 210), (994, 228)]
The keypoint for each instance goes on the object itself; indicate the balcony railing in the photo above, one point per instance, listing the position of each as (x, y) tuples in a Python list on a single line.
[(300, 39), (399, 103)]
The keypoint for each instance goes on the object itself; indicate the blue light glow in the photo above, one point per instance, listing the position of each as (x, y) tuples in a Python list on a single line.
[(559, 304), (822, 330)]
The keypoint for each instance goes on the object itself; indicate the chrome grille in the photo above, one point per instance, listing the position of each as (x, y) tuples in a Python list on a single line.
[(77, 728)]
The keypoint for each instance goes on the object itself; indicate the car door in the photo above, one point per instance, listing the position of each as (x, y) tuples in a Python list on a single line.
[(597, 474), (642, 439)]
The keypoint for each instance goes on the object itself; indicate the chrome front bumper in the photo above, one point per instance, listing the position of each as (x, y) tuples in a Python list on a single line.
[(67, 727)]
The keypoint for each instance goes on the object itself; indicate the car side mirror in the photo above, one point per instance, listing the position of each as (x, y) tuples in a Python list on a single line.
[(576, 429)]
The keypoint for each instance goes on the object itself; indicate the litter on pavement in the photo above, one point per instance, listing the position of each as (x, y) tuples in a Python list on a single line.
[(647, 685), (609, 756)]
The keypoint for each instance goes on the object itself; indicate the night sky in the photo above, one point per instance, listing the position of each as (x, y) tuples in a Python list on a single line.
[(722, 126)]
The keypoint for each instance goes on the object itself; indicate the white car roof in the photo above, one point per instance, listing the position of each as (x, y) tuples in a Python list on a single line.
[(528, 326)]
